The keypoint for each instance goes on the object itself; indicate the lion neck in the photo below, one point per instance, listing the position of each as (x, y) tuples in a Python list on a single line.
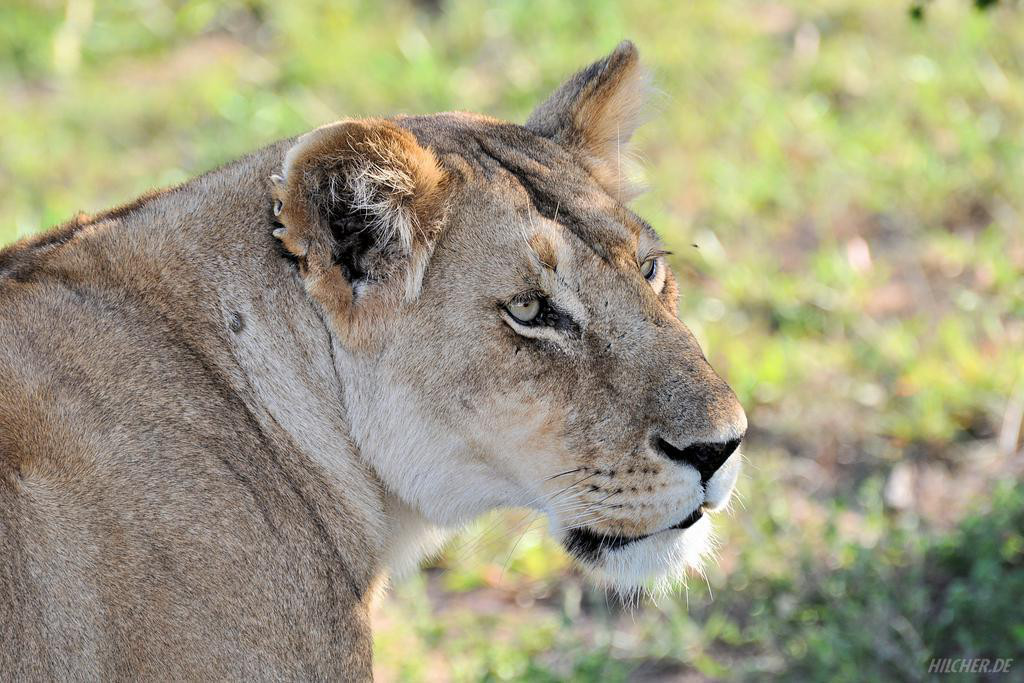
[(203, 254)]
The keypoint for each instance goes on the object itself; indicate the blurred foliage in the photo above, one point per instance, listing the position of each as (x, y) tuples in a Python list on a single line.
[(917, 8), (841, 187), (882, 612)]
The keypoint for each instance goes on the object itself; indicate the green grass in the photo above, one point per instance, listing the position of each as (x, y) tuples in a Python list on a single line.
[(842, 188)]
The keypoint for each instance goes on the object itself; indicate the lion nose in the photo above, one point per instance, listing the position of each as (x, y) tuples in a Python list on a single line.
[(705, 456)]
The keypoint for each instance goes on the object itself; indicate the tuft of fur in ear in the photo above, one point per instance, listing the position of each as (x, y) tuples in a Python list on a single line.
[(361, 204), (596, 112)]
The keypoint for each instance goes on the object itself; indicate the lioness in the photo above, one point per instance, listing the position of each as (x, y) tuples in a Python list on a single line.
[(229, 410)]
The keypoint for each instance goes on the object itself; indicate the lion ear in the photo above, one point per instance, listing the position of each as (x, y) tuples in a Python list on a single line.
[(596, 112), (361, 204)]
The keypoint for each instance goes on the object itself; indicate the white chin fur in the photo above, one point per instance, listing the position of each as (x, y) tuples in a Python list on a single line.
[(655, 563)]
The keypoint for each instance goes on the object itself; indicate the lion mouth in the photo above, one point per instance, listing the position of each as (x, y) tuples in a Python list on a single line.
[(588, 544)]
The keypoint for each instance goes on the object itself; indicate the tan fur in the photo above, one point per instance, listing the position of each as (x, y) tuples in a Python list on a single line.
[(390, 177), (230, 409), (596, 113)]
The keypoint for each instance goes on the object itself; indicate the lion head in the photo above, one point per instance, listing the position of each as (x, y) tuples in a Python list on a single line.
[(505, 327)]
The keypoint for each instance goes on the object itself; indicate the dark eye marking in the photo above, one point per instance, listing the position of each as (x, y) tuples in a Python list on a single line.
[(649, 268), (546, 314)]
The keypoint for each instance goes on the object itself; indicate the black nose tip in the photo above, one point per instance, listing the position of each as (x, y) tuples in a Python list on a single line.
[(706, 456)]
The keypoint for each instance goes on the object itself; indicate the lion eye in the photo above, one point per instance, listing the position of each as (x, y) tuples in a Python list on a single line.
[(524, 311), (649, 268)]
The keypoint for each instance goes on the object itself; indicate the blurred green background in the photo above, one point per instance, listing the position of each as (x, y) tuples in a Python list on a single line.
[(843, 187)]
